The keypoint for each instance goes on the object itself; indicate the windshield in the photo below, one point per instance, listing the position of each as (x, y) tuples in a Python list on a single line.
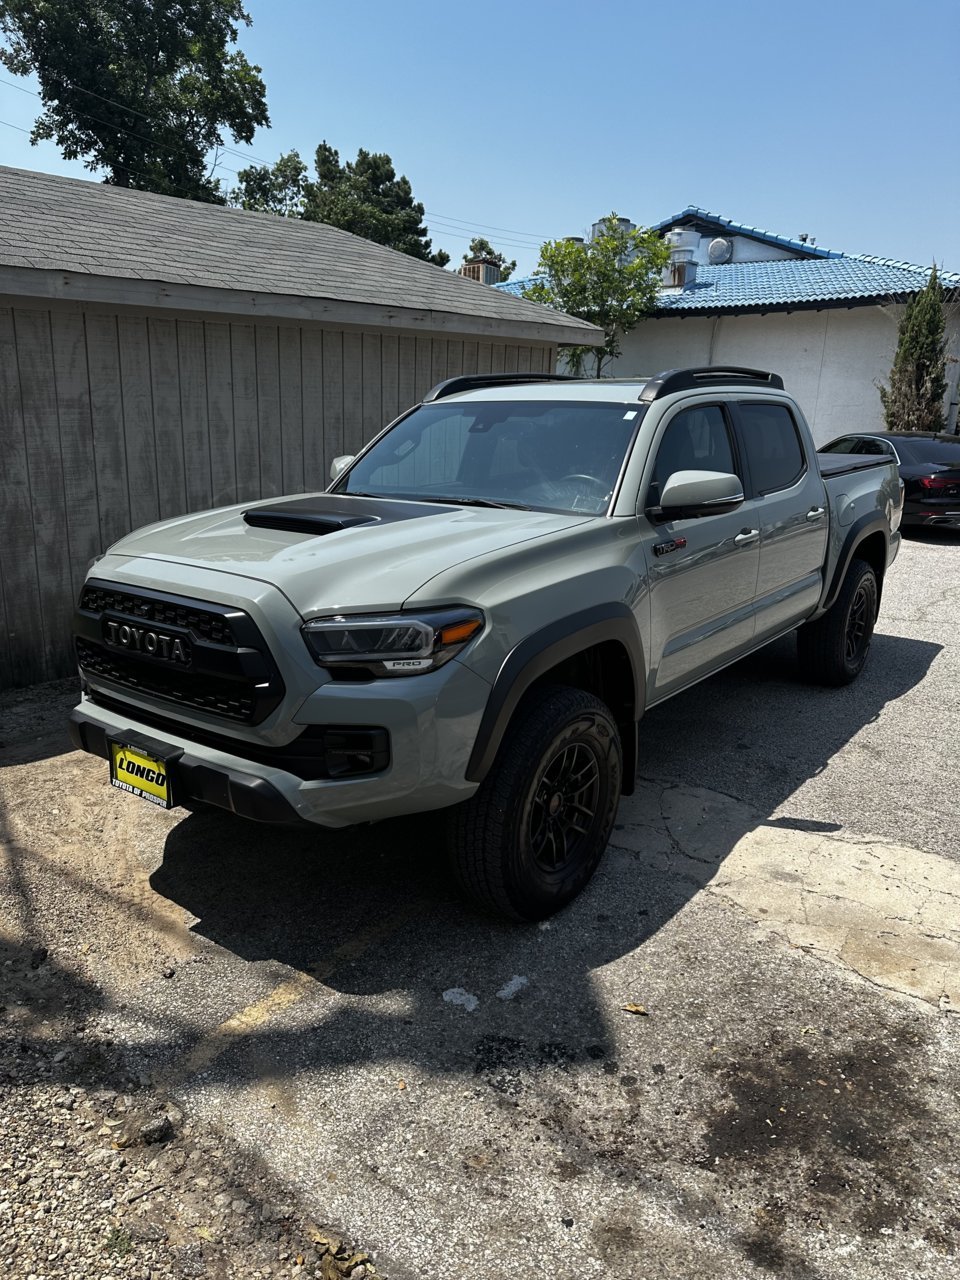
[(544, 455)]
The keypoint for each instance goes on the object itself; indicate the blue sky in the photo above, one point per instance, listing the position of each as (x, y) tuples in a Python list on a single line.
[(838, 119)]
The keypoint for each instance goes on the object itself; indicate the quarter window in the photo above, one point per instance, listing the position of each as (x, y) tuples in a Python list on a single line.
[(772, 445), (695, 440)]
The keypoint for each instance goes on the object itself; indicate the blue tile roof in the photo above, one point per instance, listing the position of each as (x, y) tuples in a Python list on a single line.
[(692, 212), (823, 277)]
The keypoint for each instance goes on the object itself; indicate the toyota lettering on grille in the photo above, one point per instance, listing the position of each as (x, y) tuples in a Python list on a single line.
[(155, 644)]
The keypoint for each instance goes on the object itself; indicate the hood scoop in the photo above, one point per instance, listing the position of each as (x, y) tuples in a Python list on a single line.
[(323, 513)]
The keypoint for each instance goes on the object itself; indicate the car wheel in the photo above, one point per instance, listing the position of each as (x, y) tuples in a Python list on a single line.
[(532, 835), (833, 649)]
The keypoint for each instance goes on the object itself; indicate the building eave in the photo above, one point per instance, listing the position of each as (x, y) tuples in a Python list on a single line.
[(122, 291)]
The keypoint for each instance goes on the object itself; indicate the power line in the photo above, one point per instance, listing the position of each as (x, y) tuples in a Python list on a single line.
[(70, 84), (136, 173), (461, 233), (488, 227), (448, 225), (109, 124)]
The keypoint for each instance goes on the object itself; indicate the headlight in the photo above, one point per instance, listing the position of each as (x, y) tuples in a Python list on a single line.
[(397, 645)]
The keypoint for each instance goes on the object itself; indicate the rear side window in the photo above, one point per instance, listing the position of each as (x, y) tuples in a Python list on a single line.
[(772, 445)]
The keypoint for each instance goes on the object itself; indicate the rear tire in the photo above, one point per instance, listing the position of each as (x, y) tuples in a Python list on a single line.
[(833, 649), (533, 834)]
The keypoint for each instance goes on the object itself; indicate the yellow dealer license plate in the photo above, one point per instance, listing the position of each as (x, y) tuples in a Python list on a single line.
[(141, 774)]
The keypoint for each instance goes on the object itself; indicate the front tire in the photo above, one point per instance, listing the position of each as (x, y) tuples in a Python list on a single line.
[(533, 834), (833, 649)]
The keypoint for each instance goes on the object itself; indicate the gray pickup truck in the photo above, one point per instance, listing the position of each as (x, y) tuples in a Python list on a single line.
[(476, 614)]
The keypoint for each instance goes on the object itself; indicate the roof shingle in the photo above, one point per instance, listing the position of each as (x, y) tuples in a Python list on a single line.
[(68, 224)]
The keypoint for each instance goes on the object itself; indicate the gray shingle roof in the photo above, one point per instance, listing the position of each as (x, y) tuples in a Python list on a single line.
[(52, 223)]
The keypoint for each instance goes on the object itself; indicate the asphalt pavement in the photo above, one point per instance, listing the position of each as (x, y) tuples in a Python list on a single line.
[(733, 1056)]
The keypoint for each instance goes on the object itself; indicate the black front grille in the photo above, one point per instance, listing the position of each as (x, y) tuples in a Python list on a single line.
[(204, 693), (208, 657), (211, 626), (321, 751)]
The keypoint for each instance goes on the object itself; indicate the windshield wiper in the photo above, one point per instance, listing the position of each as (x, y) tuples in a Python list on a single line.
[(454, 502), (477, 502)]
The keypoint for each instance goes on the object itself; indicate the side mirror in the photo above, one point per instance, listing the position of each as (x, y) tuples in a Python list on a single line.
[(687, 494), (340, 464)]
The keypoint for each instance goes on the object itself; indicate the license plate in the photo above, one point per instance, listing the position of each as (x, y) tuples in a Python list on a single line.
[(140, 774)]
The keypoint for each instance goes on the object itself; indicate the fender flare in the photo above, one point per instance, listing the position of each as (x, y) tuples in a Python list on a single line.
[(859, 531), (544, 649)]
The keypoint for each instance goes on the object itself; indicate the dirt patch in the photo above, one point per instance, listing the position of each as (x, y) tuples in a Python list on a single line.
[(839, 1132)]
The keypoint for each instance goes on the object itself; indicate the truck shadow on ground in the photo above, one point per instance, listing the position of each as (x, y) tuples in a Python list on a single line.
[(372, 912)]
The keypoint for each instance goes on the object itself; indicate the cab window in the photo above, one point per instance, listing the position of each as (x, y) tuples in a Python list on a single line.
[(696, 439), (772, 446)]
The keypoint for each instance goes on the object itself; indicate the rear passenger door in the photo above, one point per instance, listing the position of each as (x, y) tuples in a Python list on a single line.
[(791, 511), (702, 571)]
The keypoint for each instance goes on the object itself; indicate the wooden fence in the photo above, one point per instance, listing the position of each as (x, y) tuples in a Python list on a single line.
[(110, 420)]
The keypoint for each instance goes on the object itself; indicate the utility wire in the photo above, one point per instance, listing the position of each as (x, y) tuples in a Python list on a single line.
[(527, 240), (488, 227), (136, 173), (109, 124)]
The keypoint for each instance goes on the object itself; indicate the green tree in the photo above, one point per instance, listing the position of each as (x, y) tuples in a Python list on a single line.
[(280, 188), (918, 382), (144, 89), (364, 196), (481, 248), (611, 280)]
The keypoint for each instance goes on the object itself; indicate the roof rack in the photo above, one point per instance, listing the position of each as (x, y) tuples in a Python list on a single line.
[(717, 375), (471, 381)]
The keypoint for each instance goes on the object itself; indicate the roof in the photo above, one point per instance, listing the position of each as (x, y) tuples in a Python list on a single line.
[(693, 215), (815, 279), (93, 238), (613, 390), (786, 284)]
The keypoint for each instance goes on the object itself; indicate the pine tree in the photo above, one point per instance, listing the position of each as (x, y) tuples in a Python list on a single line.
[(914, 399)]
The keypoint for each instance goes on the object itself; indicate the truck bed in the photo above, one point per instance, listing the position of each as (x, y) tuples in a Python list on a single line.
[(839, 464)]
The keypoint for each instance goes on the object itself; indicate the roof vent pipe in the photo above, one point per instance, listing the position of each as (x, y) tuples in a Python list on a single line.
[(681, 271)]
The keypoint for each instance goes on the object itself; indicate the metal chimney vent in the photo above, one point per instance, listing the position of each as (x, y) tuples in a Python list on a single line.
[(720, 250)]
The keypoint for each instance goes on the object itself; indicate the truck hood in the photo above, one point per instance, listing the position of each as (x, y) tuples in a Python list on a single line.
[(332, 553)]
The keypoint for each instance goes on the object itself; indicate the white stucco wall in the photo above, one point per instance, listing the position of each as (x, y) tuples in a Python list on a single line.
[(830, 361)]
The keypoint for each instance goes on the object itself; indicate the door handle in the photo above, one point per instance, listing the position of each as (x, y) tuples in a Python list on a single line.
[(815, 513), (746, 536)]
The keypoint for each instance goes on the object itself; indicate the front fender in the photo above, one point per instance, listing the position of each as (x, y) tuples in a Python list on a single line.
[(546, 648)]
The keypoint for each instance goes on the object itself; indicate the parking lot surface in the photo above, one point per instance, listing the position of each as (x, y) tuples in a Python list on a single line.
[(734, 1056)]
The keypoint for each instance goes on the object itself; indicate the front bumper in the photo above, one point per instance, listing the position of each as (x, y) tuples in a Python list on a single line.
[(431, 720), (241, 793)]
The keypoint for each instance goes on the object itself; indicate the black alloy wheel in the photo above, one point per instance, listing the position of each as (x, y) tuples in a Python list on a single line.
[(833, 649), (859, 622), (564, 807), (533, 834)]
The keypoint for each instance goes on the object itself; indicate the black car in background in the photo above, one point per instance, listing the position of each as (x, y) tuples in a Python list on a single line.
[(929, 468)]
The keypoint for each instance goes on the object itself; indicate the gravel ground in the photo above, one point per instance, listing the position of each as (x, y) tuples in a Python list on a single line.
[(102, 1176)]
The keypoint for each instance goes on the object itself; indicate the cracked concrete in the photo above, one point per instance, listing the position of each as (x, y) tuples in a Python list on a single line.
[(884, 910)]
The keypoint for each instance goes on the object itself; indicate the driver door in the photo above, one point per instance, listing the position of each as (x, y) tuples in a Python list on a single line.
[(703, 571)]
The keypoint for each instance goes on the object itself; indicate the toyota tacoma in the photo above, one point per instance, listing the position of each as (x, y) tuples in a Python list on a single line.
[(476, 613)]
